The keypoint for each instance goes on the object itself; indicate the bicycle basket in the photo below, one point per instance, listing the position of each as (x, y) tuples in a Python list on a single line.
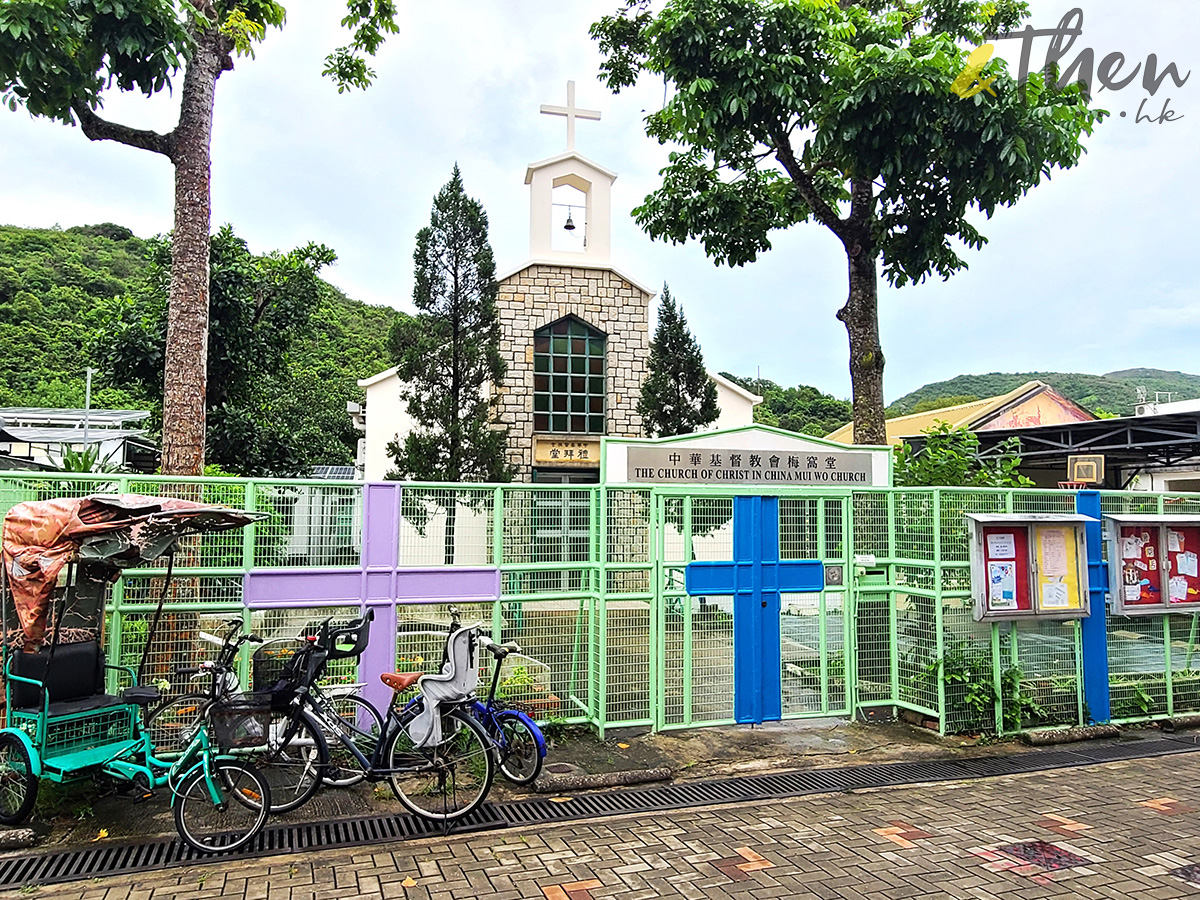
[(240, 721), (277, 668)]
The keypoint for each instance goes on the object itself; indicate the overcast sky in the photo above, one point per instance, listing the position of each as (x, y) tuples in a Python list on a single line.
[(1093, 271)]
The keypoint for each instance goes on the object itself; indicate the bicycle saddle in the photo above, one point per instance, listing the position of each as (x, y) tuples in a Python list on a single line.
[(400, 681)]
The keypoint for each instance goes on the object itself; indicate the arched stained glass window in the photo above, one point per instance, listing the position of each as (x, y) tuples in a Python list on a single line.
[(568, 378)]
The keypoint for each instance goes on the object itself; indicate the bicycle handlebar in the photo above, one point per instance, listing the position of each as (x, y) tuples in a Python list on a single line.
[(498, 650)]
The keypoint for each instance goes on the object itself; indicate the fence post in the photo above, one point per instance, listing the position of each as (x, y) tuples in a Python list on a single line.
[(1094, 629), (601, 627), (685, 609), (250, 532), (939, 624)]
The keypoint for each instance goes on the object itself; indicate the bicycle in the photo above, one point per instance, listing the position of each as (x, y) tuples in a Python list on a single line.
[(520, 744), (435, 755), (293, 753), (335, 709)]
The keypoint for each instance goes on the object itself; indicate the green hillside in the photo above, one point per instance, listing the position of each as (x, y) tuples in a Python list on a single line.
[(803, 408), (53, 281), (1115, 392)]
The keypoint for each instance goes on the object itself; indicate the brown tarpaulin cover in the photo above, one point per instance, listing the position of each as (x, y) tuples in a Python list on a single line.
[(42, 536)]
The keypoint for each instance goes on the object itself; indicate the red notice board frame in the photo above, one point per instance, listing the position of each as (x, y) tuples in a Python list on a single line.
[(1157, 554), (990, 585)]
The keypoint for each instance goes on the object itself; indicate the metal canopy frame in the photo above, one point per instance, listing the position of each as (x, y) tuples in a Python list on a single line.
[(1164, 440)]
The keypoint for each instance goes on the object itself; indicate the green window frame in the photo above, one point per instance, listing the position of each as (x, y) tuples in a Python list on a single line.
[(569, 389)]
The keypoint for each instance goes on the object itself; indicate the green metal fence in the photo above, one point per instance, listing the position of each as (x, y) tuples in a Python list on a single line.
[(592, 587)]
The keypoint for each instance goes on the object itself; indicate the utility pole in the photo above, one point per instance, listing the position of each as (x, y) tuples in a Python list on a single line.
[(87, 407)]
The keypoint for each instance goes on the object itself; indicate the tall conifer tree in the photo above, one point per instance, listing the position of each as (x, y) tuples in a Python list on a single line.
[(448, 359), (449, 353), (677, 396)]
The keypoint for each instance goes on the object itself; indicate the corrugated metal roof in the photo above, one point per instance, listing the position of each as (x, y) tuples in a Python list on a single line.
[(51, 435), (962, 415), (27, 416)]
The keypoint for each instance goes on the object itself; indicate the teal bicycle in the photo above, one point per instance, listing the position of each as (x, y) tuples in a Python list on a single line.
[(62, 724)]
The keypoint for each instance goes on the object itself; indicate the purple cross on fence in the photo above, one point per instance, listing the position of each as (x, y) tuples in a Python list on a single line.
[(380, 582)]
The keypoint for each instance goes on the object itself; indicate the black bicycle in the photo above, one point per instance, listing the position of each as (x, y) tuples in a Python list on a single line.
[(439, 764), (294, 754)]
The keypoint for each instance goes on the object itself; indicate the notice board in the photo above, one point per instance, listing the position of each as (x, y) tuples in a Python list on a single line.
[(1154, 564), (1006, 560), (1029, 566), (1059, 588)]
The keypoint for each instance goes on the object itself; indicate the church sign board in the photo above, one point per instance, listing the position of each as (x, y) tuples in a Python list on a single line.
[(681, 464), (579, 452)]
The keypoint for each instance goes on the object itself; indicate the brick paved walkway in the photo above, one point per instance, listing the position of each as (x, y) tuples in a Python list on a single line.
[(1122, 830)]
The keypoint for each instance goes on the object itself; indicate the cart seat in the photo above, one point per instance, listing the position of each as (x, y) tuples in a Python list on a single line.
[(83, 705), (75, 680), (141, 694)]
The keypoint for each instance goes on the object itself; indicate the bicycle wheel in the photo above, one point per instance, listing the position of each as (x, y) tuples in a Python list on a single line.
[(448, 781), (520, 759), (173, 724), (293, 761), (240, 813), (18, 784), (362, 724)]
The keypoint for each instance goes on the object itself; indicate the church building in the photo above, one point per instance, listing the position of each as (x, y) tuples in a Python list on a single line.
[(575, 334)]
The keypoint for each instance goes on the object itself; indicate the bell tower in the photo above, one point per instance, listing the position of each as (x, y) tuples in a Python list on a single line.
[(574, 329), (570, 199)]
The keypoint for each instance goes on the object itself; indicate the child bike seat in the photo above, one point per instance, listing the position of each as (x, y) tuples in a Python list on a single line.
[(457, 680)]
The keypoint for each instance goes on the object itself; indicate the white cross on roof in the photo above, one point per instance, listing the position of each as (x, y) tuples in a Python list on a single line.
[(572, 112)]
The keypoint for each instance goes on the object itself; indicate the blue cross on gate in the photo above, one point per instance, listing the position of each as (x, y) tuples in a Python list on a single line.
[(755, 578)]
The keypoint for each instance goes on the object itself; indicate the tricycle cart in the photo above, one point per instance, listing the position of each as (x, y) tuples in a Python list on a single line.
[(59, 556)]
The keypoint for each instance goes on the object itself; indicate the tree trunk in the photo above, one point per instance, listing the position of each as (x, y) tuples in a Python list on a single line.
[(185, 375), (860, 315)]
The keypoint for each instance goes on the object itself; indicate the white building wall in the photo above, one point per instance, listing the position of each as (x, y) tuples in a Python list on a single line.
[(737, 408), (386, 417)]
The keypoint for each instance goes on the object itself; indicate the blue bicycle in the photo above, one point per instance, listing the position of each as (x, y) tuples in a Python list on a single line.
[(517, 744), (520, 745)]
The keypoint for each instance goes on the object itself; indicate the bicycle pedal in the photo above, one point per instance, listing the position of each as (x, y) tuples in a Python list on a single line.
[(143, 796)]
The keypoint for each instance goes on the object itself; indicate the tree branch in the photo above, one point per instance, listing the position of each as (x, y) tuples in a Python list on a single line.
[(98, 129), (803, 180)]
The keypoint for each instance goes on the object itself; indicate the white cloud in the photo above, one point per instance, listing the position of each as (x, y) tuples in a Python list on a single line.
[(1073, 272)]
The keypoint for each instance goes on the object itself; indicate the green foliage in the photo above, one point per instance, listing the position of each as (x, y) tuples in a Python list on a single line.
[(802, 409), (842, 114), (448, 356), (87, 460), (259, 307), (677, 397), (942, 403), (1131, 697), (49, 281), (55, 55), (77, 284), (966, 672), (950, 458), (1114, 392)]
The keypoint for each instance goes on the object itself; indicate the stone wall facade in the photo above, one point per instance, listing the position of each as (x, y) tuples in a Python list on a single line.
[(540, 294)]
